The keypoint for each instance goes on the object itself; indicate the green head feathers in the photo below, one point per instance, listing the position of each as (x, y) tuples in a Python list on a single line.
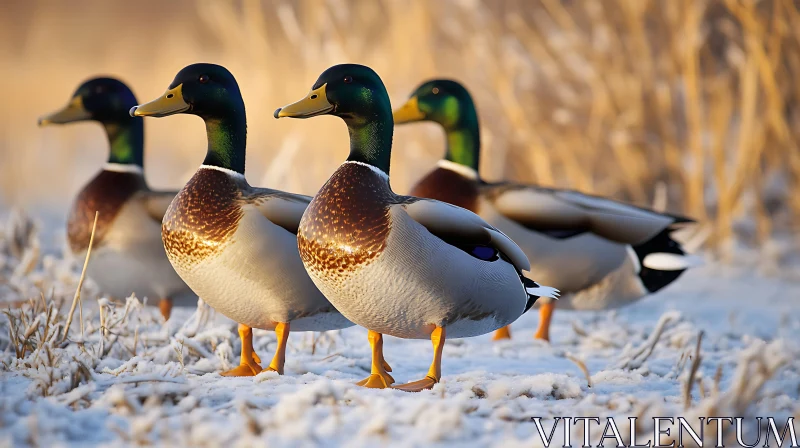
[(107, 101), (356, 94), (211, 92), (449, 104)]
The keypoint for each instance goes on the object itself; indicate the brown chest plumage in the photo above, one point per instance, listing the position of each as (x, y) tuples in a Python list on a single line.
[(448, 186), (202, 218), (106, 194), (347, 223)]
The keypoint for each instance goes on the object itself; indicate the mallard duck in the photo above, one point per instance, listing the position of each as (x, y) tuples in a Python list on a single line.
[(127, 254), (600, 253), (235, 245), (400, 265)]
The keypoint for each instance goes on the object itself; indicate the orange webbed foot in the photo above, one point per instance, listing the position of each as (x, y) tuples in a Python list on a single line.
[(417, 386), (377, 381), (243, 370)]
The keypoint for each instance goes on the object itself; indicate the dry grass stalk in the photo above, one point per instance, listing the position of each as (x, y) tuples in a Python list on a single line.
[(77, 297), (687, 388), (694, 107), (640, 355), (717, 380), (581, 365)]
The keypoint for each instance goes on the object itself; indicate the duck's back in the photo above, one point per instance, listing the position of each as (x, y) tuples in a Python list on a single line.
[(569, 264), (576, 242)]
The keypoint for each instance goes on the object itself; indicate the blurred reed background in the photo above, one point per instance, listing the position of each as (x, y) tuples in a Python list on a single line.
[(695, 101)]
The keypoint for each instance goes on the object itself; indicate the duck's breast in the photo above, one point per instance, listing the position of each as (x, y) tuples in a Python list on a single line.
[(239, 262), (201, 219), (106, 194), (346, 225)]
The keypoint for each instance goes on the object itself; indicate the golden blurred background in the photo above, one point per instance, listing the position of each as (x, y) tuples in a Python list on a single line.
[(688, 105)]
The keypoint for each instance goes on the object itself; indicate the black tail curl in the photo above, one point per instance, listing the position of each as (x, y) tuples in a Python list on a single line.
[(528, 283), (654, 279)]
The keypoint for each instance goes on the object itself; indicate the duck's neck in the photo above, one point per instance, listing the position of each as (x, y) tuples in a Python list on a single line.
[(464, 140), (227, 138), (126, 141), (371, 141)]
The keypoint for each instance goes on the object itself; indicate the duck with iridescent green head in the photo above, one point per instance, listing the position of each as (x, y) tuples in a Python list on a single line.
[(400, 265), (127, 254), (601, 253), (235, 244)]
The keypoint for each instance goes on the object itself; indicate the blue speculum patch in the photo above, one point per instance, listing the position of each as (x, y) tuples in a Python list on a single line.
[(483, 253)]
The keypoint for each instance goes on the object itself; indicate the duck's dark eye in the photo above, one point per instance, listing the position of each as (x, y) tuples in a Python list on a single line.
[(348, 79), (435, 90), (100, 89), (203, 79)]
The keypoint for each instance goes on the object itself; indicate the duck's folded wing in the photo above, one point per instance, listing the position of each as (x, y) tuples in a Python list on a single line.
[(157, 202), (566, 213), (283, 209), (457, 225)]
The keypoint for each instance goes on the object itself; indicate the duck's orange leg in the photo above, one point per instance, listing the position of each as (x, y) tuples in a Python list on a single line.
[(545, 316), (379, 377), (165, 306), (249, 360), (282, 332), (435, 371), (503, 333)]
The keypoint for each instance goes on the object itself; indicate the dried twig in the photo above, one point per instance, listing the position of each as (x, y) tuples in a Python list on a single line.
[(77, 297)]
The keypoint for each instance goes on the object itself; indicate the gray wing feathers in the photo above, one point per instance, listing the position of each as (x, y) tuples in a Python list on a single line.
[(542, 209), (455, 223), (508, 247), (449, 221)]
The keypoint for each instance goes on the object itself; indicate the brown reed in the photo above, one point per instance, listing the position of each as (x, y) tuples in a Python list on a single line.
[(610, 97)]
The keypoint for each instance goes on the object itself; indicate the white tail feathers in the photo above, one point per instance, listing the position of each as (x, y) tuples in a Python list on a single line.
[(662, 261), (543, 291)]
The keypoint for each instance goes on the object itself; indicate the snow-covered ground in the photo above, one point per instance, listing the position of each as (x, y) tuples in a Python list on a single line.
[(143, 381)]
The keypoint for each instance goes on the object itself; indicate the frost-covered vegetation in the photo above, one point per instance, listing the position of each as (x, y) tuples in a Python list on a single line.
[(122, 375)]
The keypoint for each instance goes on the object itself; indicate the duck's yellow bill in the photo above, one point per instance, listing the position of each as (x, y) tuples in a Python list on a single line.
[(408, 112), (171, 102), (316, 103), (74, 111)]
